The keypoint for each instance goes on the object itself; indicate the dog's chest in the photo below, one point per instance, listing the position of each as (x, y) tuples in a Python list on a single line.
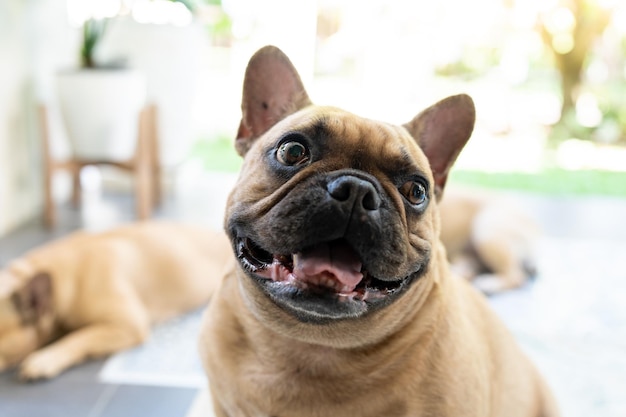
[(266, 391), (285, 405)]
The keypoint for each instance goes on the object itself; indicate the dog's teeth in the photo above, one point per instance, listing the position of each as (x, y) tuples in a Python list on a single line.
[(327, 282), (331, 283), (343, 297)]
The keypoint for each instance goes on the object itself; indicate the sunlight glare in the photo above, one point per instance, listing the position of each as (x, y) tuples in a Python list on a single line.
[(78, 11), (588, 114), (560, 20), (161, 12), (563, 43)]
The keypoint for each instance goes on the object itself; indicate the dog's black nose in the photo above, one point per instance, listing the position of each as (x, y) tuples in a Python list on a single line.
[(355, 191)]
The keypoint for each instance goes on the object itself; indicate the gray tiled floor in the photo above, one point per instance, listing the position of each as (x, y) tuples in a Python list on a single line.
[(77, 393), (568, 321), (72, 394)]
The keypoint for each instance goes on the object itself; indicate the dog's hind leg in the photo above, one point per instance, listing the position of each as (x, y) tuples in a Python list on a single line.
[(502, 239), (91, 341), (506, 270)]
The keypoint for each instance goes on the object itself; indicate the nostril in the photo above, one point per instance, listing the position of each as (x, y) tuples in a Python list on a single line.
[(339, 189), (357, 190), (370, 200)]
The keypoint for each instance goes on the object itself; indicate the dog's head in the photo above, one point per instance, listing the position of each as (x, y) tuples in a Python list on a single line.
[(25, 312), (334, 218)]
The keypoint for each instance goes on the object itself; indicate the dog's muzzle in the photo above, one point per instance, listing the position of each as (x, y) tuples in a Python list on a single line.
[(325, 276)]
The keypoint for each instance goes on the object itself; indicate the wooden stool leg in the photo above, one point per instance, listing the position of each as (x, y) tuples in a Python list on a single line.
[(141, 166), (155, 161), (76, 188), (49, 211), (142, 191)]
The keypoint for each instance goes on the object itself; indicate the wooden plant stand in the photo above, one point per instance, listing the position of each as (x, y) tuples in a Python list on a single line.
[(144, 165)]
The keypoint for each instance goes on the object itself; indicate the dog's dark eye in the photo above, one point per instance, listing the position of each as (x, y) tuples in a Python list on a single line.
[(414, 192), (292, 153)]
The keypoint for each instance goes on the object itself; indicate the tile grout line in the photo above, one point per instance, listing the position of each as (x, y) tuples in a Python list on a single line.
[(103, 400)]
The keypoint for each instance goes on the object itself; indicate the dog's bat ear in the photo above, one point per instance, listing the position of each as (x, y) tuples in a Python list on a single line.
[(441, 131), (272, 90), (34, 299)]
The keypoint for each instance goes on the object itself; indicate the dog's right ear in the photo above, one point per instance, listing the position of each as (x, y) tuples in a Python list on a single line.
[(272, 90), (34, 299)]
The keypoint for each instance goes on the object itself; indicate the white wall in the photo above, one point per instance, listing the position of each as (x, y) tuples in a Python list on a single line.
[(34, 41)]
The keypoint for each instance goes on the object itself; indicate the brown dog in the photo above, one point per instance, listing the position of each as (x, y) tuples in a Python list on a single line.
[(89, 295), (489, 240), (340, 301)]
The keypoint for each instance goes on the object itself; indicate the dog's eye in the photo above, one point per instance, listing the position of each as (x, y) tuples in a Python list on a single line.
[(414, 192), (292, 153)]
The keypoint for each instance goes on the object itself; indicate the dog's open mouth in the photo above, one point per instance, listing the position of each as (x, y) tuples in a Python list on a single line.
[(331, 269)]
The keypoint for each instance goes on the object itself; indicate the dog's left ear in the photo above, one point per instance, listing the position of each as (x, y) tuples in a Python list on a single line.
[(35, 298), (441, 131), (272, 90)]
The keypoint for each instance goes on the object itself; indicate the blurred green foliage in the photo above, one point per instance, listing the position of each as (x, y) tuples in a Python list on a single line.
[(552, 181), (93, 30), (217, 154)]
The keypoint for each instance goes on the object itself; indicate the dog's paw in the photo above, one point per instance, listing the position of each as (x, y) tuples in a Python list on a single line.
[(465, 266), (39, 365), (489, 284), (4, 365)]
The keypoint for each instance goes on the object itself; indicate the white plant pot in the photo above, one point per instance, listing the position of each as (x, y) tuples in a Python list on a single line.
[(169, 57), (100, 109)]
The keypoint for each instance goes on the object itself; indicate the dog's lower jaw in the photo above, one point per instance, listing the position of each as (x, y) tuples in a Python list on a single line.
[(320, 305), (320, 308), (324, 283), (344, 333)]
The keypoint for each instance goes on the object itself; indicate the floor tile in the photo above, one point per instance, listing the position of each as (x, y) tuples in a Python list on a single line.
[(72, 394)]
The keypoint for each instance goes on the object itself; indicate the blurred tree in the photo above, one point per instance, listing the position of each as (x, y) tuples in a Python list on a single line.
[(569, 31)]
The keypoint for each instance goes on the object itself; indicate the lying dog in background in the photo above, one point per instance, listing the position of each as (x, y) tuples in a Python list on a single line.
[(489, 241), (89, 295), (339, 300)]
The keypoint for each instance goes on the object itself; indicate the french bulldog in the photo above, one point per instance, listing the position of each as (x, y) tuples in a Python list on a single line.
[(88, 295), (339, 300), (489, 239)]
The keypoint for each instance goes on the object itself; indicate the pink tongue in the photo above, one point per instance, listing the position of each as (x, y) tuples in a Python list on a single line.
[(336, 258)]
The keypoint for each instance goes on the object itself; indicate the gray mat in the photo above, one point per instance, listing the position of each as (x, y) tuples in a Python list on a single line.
[(168, 358)]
